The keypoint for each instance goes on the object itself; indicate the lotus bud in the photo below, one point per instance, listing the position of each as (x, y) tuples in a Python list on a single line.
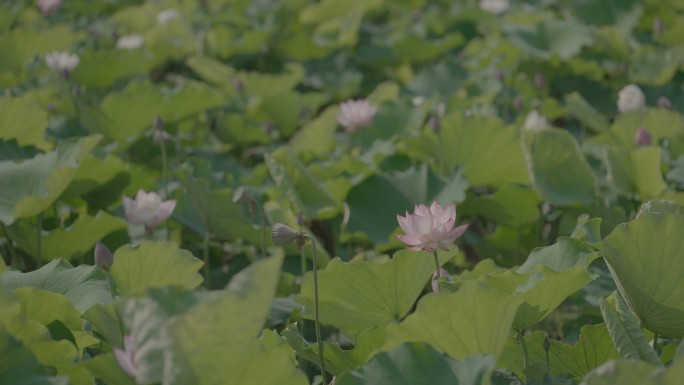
[(434, 124), (546, 344), (539, 80), (103, 256), (643, 137), (238, 85), (49, 6), (283, 234), (658, 26), (517, 103)]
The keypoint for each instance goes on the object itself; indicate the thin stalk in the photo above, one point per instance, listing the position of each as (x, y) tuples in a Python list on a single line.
[(526, 359), (112, 285), (262, 231), (13, 252), (436, 264), (40, 237), (316, 317), (655, 342), (205, 257)]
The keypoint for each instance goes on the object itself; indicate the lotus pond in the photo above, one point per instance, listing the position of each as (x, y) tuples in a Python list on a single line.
[(349, 192)]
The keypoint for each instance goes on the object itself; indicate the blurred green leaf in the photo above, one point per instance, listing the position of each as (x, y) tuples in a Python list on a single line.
[(23, 121), (636, 172)]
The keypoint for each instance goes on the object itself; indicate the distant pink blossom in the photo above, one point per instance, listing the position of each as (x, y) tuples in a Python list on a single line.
[(355, 114), (429, 228), (643, 137), (126, 357), (48, 6), (148, 209)]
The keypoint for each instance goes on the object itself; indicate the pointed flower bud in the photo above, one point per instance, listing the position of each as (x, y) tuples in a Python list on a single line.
[(643, 137), (103, 256), (283, 235), (546, 344), (664, 102)]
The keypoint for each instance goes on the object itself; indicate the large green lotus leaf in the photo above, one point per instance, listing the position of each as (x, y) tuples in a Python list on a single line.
[(147, 318), (71, 242), (560, 172), (129, 112), (633, 372), (33, 185), (104, 320), (644, 258), (592, 349), (419, 364), (20, 45), (333, 9), (316, 137), (202, 338), (263, 84), (217, 213), (213, 71), (550, 37), (636, 172), (511, 206), (285, 111), (401, 190), (45, 307), (541, 289), (415, 49), (309, 195), (357, 296), (19, 366), (662, 206), (101, 182), (105, 367), (655, 66), (337, 360), (624, 14), (586, 113), (120, 64), (154, 264), (565, 253), (487, 149), (476, 319), (23, 121), (661, 124), (627, 336), (225, 42), (84, 285)]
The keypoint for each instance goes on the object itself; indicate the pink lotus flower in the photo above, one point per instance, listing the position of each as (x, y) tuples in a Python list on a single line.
[(126, 357), (48, 6), (148, 209), (355, 114), (430, 227)]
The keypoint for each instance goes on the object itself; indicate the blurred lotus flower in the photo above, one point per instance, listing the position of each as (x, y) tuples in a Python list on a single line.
[(148, 209), (658, 26), (134, 41), (630, 98), (430, 227), (283, 235), (435, 279), (539, 80), (664, 102), (62, 61), (48, 6), (126, 357), (643, 137), (167, 15), (103, 256), (494, 6), (536, 122), (355, 114)]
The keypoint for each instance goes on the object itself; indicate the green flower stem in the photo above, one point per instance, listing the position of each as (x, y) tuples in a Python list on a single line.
[(316, 317), (262, 231), (205, 257), (655, 343), (13, 252), (112, 284), (523, 346), (436, 264)]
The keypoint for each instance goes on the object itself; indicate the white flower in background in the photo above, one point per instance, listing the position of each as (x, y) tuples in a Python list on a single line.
[(134, 41), (167, 15), (62, 61), (536, 122), (355, 114), (630, 98), (126, 357), (148, 209), (494, 6), (47, 6)]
